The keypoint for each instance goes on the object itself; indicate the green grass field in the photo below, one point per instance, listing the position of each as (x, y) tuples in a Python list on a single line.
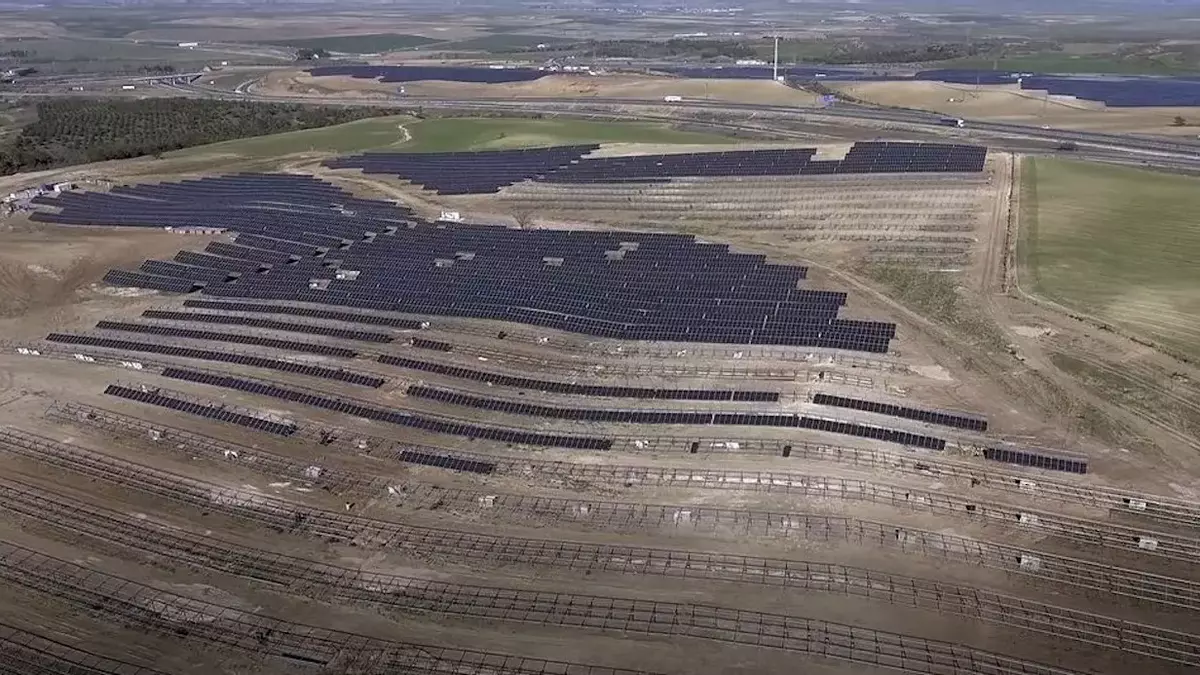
[(431, 135), (379, 133), (1119, 244), (505, 41), (492, 134)]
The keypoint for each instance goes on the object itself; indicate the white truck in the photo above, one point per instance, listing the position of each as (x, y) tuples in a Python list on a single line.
[(673, 99)]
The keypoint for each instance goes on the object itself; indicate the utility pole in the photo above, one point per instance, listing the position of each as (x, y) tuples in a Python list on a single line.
[(775, 68)]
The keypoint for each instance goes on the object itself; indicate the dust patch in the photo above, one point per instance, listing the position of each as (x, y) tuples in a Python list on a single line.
[(933, 372)]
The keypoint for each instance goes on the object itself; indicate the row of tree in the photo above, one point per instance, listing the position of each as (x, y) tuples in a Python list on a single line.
[(847, 53), (77, 131)]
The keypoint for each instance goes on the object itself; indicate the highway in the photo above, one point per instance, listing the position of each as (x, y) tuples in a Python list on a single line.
[(1109, 146), (1168, 153)]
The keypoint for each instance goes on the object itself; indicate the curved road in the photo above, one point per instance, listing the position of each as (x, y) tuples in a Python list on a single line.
[(1172, 153), (1175, 154)]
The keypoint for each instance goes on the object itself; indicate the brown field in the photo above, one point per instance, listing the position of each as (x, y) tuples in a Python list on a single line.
[(583, 86), (1009, 103), (17, 28), (166, 540)]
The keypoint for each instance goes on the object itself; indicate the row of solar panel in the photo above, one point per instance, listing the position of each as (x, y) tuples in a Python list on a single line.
[(446, 462), (731, 308), (1036, 460), (673, 417), (407, 255), (210, 412), (171, 331), (581, 315), (123, 279), (422, 343), (943, 419), (579, 389), (662, 307), (333, 315), (269, 324), (179, 271), (845, 338), (391, 416), (458, 173), (222, 357)]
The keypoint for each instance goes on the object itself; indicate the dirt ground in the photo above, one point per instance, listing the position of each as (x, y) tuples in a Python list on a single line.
[(608, 86), (1010, 103), (239, 551)]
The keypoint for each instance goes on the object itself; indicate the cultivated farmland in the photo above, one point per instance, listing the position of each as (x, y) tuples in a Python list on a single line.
[(1116, 243)]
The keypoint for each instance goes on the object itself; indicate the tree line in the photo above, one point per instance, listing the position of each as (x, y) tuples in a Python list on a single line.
[(77, 131)]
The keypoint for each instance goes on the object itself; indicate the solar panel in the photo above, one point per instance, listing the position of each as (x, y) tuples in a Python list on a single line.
[(211, 412), (228, 320), (376, 413), (382, 258), (1036, 459), (956, 420), (224, 357), (579, 389), (674, 417), (440, 73), (170, 331), (446, 462), (333, 315), (422, 343)]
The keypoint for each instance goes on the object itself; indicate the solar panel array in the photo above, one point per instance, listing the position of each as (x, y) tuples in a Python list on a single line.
[(446, 462), (217, 262), (189, 272), (1122, 92), (863, 157), (125, 279), (435, 345), (223, 357), (623, 285), (488, 171), (269, 324), (677, 417), (1113, 91), (390, 416), (579, 389), (944, 419), (331, 314), (458, 173), (476, 74), (1036, 460), (171, 331), (211, 412)]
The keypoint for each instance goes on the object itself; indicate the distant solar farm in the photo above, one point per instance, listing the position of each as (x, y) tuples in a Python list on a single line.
[(1129, 91)]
